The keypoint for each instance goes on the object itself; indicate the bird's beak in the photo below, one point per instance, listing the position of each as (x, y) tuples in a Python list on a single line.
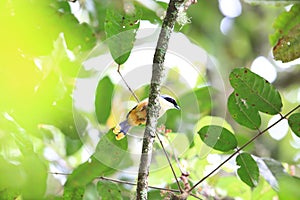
[(177, 107)]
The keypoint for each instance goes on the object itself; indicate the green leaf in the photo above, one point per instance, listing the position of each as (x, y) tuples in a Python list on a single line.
[(9, 194), (120, 30), (104, 94), (73, 192), (232, 187), (110, 151), (241, 112), (106, 160), (150, 14), (248, 171), (289, 187), (86, 172), (192, 107), (271, 2), (29, 171), (284, 23), (72, 145), (288, 47), (72, 124), (145, 92), (255, 91), (286, 185), (91, 192), (294, 123), (263, 190), (155, 194), (271, 170), (109, 190), (83, 37), (218, 138)]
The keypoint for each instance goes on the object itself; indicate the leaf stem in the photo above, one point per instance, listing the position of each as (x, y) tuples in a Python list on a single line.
[(242, 147), (129, 88)]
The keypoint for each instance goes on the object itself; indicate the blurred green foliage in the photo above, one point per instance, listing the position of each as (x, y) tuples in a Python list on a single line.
[(104, 94)]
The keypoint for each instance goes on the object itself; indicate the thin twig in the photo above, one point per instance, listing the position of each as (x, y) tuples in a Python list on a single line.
[(59, 173), (176, 159), (242, 147), (122, 182), (129, 88), (170, 164), (152, 187), (131, 183)]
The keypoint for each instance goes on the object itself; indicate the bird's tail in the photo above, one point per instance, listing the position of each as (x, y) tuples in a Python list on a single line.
[(121, 130)]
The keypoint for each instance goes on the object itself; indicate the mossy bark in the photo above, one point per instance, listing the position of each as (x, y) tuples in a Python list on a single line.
[(158, 73)]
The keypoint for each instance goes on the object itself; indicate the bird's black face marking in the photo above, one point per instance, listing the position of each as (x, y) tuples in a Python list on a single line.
[(171, 100)]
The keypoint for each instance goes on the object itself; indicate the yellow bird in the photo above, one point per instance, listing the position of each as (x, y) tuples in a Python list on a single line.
[(137, 115)]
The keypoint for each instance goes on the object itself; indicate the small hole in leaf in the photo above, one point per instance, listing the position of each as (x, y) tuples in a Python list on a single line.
[(246, 71)]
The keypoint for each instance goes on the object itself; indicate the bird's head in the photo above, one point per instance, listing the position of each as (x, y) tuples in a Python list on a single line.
[(168, 102)]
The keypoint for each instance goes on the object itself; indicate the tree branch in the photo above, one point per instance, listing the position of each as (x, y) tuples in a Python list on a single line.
[(242, 147), (153, 105)]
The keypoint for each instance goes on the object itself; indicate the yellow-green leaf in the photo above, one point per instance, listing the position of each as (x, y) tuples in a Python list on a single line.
[(103, 99), (107, 158), (218, 138)]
